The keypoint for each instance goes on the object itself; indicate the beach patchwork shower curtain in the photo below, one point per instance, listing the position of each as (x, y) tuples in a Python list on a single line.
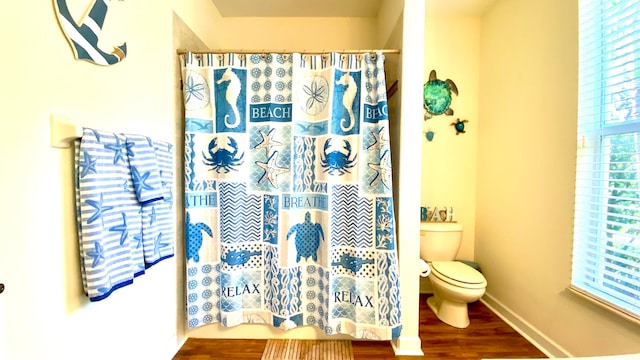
[(288, 208)]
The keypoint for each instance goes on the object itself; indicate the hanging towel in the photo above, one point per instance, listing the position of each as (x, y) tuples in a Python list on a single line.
[(109, 219), (144, 169), (124, 201), (76, 148), (157, 217)]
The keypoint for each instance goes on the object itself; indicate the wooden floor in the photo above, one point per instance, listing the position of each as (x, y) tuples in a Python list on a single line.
[(486, 337)]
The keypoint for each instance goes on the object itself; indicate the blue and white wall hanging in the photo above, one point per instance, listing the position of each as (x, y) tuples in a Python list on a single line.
[(84, 37), (288, 193)]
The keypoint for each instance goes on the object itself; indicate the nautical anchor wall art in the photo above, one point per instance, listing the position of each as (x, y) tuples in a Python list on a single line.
[(83, 37)]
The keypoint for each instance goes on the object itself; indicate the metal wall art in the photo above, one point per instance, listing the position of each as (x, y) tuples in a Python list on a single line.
[(459, 126), (84, 37), (437, 97)]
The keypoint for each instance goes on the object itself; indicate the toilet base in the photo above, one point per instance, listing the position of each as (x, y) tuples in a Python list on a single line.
[(449, 312)]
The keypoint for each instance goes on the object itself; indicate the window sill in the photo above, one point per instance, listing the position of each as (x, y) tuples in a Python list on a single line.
[(605, 305)]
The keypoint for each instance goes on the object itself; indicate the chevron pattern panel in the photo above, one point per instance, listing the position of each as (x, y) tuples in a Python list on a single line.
[(288, 200)]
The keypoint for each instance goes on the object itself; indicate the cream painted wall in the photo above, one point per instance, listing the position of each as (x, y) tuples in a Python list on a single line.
[(203, 19), (272, 33), (183, 38), (389, 17), (45, 315), (526, 161), (406, 173), (43, 303), (452, 48)]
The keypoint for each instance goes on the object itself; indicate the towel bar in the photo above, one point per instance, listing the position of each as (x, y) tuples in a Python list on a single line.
[(62, 131)]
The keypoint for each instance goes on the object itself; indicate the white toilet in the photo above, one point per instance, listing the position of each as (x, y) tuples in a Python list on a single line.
[(455, 284)]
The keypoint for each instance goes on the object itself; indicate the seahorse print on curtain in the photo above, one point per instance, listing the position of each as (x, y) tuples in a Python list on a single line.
[(288, 193)]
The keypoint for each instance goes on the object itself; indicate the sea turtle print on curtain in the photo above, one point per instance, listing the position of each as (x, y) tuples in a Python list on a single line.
[(288, 208)]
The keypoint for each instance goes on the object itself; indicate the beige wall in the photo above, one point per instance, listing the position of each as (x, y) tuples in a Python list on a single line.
[(43, 303), (452, 48), (406, 182), (45, 314), (183, 38), (272, 33), (525, 185), (516, 71), (448, 171)]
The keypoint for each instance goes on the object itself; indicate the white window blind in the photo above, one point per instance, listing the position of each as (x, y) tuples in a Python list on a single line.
[(606, 244)]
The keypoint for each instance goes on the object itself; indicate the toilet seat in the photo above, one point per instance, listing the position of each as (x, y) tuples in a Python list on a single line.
[(458, 274)]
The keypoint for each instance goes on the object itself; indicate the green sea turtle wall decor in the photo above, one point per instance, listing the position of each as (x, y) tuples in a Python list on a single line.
[(437, 96)]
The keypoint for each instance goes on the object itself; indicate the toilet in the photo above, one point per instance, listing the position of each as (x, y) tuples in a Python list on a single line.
[(455, 284)]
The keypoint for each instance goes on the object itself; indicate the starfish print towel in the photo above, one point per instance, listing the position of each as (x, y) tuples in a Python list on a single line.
[(110, 215)]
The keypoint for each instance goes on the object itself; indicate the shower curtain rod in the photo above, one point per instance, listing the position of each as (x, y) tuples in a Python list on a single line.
[(285, 51)]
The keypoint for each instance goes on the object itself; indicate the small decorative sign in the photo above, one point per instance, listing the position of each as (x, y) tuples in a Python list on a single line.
[(444, 214), (84, 37)]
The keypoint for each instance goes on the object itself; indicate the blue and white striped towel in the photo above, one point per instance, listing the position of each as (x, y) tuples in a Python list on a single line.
[(109, 220), (144, 169), (157, 218), (125, 216), (78, 208)]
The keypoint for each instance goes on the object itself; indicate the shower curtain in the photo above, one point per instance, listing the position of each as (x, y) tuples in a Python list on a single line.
[(288, 209)]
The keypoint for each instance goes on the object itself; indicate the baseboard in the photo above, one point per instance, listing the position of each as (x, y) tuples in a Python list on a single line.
[(174, 346), (407, 346), (524, 328)]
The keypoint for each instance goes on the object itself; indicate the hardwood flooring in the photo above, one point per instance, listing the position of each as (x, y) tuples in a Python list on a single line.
[(487, 337)]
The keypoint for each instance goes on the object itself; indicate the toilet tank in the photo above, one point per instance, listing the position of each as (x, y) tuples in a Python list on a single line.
[(440, 241)]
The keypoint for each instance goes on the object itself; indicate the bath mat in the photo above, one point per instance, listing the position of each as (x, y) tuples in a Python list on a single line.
[(289, 349)]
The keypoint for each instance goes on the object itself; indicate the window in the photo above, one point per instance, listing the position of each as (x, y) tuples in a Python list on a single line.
[(606, 244)]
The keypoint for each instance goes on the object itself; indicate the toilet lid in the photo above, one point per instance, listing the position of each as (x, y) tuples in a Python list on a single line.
[(459, 274)]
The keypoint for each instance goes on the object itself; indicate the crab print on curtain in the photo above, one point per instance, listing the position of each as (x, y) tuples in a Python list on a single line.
[(288, 193)]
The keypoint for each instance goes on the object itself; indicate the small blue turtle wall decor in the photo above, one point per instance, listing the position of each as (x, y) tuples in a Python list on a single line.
[(459, 126), (429, 135), (437, 96)]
